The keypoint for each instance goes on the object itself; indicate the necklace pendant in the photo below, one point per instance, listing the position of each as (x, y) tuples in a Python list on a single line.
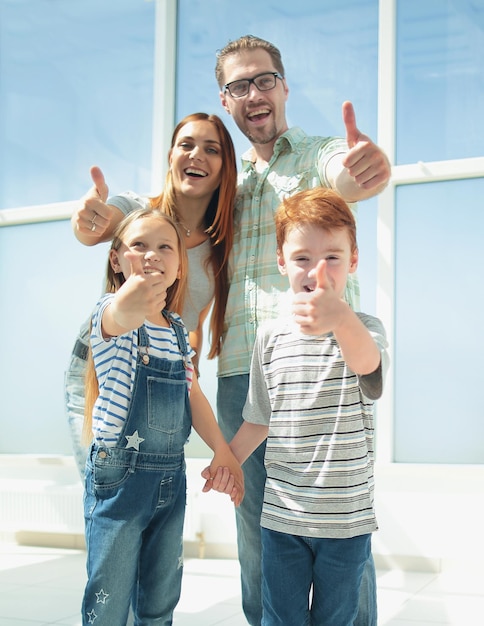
[(189, 232)]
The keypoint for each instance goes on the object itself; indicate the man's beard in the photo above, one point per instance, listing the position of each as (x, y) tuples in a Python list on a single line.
[(267, 136)]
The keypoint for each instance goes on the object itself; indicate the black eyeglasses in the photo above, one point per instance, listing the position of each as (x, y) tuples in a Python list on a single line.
[(263, 82)]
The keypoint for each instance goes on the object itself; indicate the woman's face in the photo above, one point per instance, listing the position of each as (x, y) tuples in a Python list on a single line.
[(196, 160)]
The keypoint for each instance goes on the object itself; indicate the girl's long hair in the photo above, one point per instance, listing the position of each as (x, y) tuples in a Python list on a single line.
[(175, 298), (219, 221)]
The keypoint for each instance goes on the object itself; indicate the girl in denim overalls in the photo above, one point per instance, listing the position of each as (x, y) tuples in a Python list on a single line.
[(146, 398)]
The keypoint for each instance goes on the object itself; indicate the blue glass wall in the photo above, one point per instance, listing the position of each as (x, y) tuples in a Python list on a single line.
[(440, 79), (76, 89)]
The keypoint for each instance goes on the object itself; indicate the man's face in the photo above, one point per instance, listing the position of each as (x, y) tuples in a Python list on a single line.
[(260, 115)]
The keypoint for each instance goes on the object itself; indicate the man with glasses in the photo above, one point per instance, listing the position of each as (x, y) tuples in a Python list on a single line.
[(263, 82), (281, 162)]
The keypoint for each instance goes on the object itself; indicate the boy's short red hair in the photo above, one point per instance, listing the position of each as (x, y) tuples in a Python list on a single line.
[(319, 206)]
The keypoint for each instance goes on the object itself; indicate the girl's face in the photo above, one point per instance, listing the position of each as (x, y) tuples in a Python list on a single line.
[(155, 243), (305, 246), (196, 160)]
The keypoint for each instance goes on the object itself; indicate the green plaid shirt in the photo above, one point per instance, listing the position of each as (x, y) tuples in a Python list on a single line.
[(256, 287)]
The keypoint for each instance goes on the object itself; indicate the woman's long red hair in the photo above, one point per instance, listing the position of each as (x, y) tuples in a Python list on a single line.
[(219, 221)]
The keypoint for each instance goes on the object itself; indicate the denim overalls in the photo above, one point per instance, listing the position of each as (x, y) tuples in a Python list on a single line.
[(134, 503)]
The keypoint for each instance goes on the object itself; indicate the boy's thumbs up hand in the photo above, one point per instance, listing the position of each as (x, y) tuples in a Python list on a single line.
[(322, 278), (316, 311)]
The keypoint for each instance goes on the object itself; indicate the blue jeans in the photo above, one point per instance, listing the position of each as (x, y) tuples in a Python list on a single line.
[(231, 395), (74, 402), (134, 539), (74, 396), (293, 566), (367, 606)]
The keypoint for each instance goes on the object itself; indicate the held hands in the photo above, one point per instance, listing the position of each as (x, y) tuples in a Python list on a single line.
[(365, 162), (319, 311), (141, 295), (225, 478), (92, 220)]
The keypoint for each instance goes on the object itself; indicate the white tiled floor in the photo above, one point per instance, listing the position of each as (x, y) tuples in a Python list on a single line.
[(41, 586)]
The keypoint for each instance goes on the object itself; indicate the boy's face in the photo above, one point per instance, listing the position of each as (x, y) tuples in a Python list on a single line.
[(305, 246)]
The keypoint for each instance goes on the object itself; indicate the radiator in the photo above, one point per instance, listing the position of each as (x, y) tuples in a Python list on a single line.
[(42, 506), (44, 494)]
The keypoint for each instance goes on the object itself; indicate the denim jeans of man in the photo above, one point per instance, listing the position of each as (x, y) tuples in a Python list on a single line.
[(309, 581), (74, 403), (74, 396), (231, 395)]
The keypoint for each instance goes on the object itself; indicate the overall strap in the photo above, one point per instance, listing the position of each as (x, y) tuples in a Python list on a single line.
[(179, 329), (143, 345), (143, 337)]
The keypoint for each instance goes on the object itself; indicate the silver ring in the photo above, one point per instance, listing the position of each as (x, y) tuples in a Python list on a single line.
[(93, 227)]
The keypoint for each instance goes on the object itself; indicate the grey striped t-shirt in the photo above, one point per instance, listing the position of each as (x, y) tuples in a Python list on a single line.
[(319, 454)]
